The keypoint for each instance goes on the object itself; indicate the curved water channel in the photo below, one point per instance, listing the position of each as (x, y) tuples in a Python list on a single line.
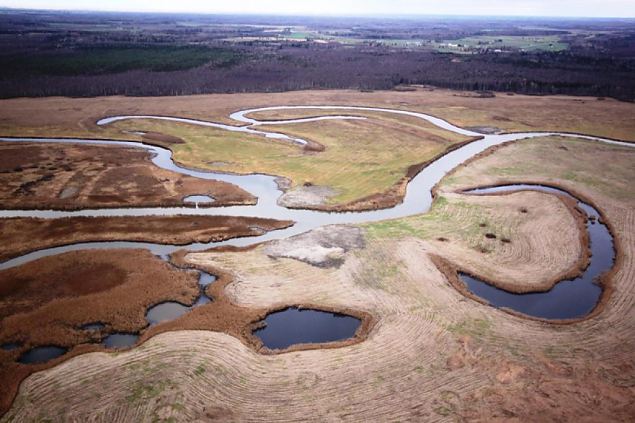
[(417, 200), (568, 299)]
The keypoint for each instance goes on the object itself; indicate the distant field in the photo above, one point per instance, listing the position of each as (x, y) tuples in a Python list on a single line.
[(104, 60), (474, 44), (504, 43)]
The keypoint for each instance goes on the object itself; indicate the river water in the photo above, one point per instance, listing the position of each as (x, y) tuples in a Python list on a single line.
[(417, 200)]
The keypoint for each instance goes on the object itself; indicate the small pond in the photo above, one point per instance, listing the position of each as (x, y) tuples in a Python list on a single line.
[(41, 354), (120, 340), (296, 326)]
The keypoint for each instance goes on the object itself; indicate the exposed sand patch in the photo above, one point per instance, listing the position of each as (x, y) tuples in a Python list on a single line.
[(306, 196), (323, 247)]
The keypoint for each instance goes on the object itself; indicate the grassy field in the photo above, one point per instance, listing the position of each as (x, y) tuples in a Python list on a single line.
[(570, 161), (433, 354), (462, 45), (362, 157)]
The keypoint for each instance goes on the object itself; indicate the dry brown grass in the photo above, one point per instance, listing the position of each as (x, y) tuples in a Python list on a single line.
[(76, 117), (433, 354), (37, 176), (546, 237), (430, 345), (46, 302), (22, 235)]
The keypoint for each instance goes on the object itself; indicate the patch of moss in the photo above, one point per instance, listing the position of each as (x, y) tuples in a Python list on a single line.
[(475, 327), (199, 370), (144, 391)]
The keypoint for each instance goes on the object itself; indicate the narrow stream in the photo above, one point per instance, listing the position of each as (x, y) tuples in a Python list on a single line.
[(566, 300)]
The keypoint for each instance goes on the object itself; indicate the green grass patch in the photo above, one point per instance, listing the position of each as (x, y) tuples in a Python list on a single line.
[(142, 392), (199, 370), (477, 327), (361, 157)]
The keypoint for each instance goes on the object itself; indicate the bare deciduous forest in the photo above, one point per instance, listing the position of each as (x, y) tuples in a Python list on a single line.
[(50, 53)]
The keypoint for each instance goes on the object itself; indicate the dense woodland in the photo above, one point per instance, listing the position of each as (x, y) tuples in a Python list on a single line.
[(47, 54)]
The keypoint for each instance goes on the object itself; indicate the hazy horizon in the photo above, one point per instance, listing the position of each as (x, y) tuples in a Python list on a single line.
[(372, 8)]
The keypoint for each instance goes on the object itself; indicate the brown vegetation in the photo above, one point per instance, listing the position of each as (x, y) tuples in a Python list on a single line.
[(60, 116), (46, 303), (433, 354), (71, 176), (22, 235)]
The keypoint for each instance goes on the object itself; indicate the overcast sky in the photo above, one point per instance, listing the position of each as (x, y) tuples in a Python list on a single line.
[(589, 8)]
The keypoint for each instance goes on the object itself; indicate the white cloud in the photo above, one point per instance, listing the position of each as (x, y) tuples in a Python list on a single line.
[(590, 8)]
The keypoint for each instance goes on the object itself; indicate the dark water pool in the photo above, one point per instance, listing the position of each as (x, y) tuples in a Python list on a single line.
[(569, 299), (164, 312), (171, 310), (10, 346), (294, 326), (120, 340), (41, 354)]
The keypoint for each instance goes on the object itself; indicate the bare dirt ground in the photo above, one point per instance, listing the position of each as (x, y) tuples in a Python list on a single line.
[(40, 176), (433, 355), (322, 247), (22, 235)]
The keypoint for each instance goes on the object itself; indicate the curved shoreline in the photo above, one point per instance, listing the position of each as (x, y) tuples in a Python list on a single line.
[(165, 160), (604, 280), (417, 199), (570, 201), (250, 227), (591, 300)]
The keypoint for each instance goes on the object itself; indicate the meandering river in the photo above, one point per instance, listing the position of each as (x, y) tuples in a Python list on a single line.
[(417, 200)]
